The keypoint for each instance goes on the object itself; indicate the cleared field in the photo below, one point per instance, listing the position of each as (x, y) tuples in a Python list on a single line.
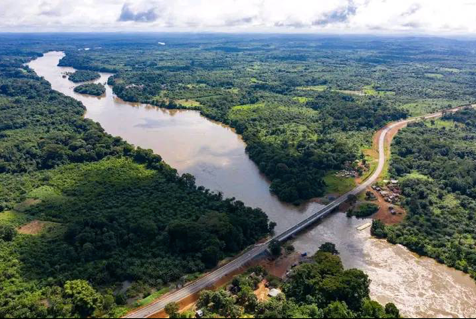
[(338, 185)]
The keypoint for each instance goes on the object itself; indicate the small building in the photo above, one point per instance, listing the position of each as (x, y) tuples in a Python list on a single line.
[(199, 314), (273, 293)]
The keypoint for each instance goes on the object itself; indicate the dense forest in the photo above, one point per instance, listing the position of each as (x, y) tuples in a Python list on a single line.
[(319, 288), (94, 89), (88, 223), (306, 106), (99, 214), (83, 76), (436, 162)]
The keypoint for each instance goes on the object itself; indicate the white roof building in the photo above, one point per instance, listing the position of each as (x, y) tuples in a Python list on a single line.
[(274, 293)]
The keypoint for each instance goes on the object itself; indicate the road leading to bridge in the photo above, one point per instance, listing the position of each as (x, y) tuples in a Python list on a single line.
[(242, 260)]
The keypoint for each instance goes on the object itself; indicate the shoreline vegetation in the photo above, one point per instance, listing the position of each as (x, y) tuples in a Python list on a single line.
[(90, 89), (105, 203), (83, 76), (307, 291), (434, 159), (295, 136), (95, 190)]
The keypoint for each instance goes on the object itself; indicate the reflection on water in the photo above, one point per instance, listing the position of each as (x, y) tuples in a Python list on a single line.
[(216, 156), (187, 141)]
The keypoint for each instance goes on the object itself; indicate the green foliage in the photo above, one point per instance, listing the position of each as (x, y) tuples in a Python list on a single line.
[(125, 215), (294, 144), (90, 89), (275, 248), (329, 248), (436, 164), (364, 210), (84, 76), (122, 214), (84, 299), (392, 311), (378, 229), (7, 232), (338, 310), (322, 289), (172, 310), (346, 91), (219, 302), (338, 185)]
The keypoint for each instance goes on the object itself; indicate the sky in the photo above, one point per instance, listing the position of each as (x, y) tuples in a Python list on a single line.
[(433, 17)]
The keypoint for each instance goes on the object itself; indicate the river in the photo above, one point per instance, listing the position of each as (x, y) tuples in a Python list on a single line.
[(216, 156)]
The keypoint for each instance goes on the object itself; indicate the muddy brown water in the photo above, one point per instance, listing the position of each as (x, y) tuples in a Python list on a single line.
[(216, 156)]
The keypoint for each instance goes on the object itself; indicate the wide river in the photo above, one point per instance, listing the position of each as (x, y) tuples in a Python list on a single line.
[(216, 156)]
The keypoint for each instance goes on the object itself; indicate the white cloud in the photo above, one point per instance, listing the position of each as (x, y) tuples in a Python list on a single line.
[(346, 16)]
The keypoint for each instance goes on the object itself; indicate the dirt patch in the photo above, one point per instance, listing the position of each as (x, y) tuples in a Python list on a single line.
[(372, 152), (262, 292), (280, 266), (384, 212), (35, 227)]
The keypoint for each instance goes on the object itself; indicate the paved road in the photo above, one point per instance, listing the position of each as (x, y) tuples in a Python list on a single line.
[(213, 277)]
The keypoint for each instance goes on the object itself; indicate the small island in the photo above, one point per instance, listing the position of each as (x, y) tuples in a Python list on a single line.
[(84, 76), (90, 89)]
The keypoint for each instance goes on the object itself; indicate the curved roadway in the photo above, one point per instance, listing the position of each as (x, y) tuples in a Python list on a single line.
[(257, 250)]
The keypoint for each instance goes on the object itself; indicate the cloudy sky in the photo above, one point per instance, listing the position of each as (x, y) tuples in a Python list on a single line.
[(320, 16)]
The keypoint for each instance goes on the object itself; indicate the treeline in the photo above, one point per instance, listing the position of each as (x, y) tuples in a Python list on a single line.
[(347, 113), (320, 288), (295, 145), (81, 62), (436, 162), (354, 88), (35, 138), (115, 213)]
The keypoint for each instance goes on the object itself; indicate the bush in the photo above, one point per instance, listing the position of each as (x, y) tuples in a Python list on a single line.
[(84, 76), (7, 233), (364, 211), (329, 248), (378, 229), (90, 89)]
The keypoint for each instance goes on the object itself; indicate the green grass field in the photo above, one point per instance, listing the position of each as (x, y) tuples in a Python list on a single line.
[(318, 88), (302, 99), (434, 75), (338, 185), (423, 107), (188, 103)]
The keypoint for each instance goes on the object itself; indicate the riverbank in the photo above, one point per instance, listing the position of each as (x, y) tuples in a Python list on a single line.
[(216, 156)]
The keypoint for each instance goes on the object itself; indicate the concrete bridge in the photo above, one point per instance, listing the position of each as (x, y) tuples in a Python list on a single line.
[(257, 250)]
